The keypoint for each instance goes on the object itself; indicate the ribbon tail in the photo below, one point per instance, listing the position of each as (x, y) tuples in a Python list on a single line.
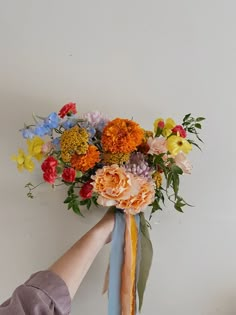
[(128, 282), (116, 262)]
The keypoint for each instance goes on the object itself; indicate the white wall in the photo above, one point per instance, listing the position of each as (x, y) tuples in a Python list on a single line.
[(140, 59)]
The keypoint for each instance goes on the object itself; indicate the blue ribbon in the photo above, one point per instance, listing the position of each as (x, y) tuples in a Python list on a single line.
[(116, 262)]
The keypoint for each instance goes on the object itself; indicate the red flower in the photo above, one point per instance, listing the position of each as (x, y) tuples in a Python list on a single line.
[(86, 190), (49, 169), (50, 175), (69, 174), (68, 109), (179, 129), (161, 124), (49, 163)]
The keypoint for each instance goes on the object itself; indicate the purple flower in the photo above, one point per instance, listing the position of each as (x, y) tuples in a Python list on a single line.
[(96, 120), (138, 165)]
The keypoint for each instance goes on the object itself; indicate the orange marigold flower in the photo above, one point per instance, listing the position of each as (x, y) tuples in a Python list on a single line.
[(122, 135), (84, 162)]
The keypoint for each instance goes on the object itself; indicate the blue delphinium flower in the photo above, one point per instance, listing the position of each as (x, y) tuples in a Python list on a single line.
[(52, 121), (56, 144), (42, 130), (69, 123), (91, 131), (27, 133)]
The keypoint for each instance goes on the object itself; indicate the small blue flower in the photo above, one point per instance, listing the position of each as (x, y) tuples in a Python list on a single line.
[(27, 133), (42, 130), (56, 144), (100, 126), (52, 121), (91, 131), (69, 123)]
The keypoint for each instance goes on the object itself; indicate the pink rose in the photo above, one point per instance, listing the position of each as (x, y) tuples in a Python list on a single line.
[(182, 162), (157, 145)]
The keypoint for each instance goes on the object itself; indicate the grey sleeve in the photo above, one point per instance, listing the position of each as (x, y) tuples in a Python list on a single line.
[(44, 293)]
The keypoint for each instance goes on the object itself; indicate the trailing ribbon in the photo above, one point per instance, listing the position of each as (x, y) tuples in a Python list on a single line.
[(124, 263), (146, 255), (116, 262)]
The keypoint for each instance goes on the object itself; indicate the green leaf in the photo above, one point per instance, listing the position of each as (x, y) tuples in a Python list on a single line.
[(176, 184), (176, 169), (186, 117), (199, 126), (178, 208), (69, 206), (169, 179), (83, 202), (89, 203), (195, 144), (76, 208), (67, 200), (200, 119), (146, 259)]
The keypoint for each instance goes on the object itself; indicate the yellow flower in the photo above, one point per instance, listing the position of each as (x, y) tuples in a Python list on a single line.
[(176, 144), (74, 140), (115, 158), (169, 125), (157, 177), (23, 161), (35, 147)]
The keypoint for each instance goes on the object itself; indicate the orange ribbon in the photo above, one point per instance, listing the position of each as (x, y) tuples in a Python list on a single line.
[(128, 282)]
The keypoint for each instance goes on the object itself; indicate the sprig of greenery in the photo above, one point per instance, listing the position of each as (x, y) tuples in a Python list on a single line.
[(31, 187), (192, 125)]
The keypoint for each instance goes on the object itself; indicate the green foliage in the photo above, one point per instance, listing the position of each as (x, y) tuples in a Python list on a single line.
[(192, 125), (146, 259), (74, 202)]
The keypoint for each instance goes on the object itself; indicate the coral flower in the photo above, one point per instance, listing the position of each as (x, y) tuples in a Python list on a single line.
[(176, 144), (113, 184), (122, 135), (138, 202), (84, 162)]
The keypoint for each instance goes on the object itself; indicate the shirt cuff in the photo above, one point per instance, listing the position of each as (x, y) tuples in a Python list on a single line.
[(52, 285)]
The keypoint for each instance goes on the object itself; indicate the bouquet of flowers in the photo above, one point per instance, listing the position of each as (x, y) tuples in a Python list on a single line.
[(114, 163)]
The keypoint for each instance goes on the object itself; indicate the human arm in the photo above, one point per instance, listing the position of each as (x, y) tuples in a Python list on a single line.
[(74, 264)]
